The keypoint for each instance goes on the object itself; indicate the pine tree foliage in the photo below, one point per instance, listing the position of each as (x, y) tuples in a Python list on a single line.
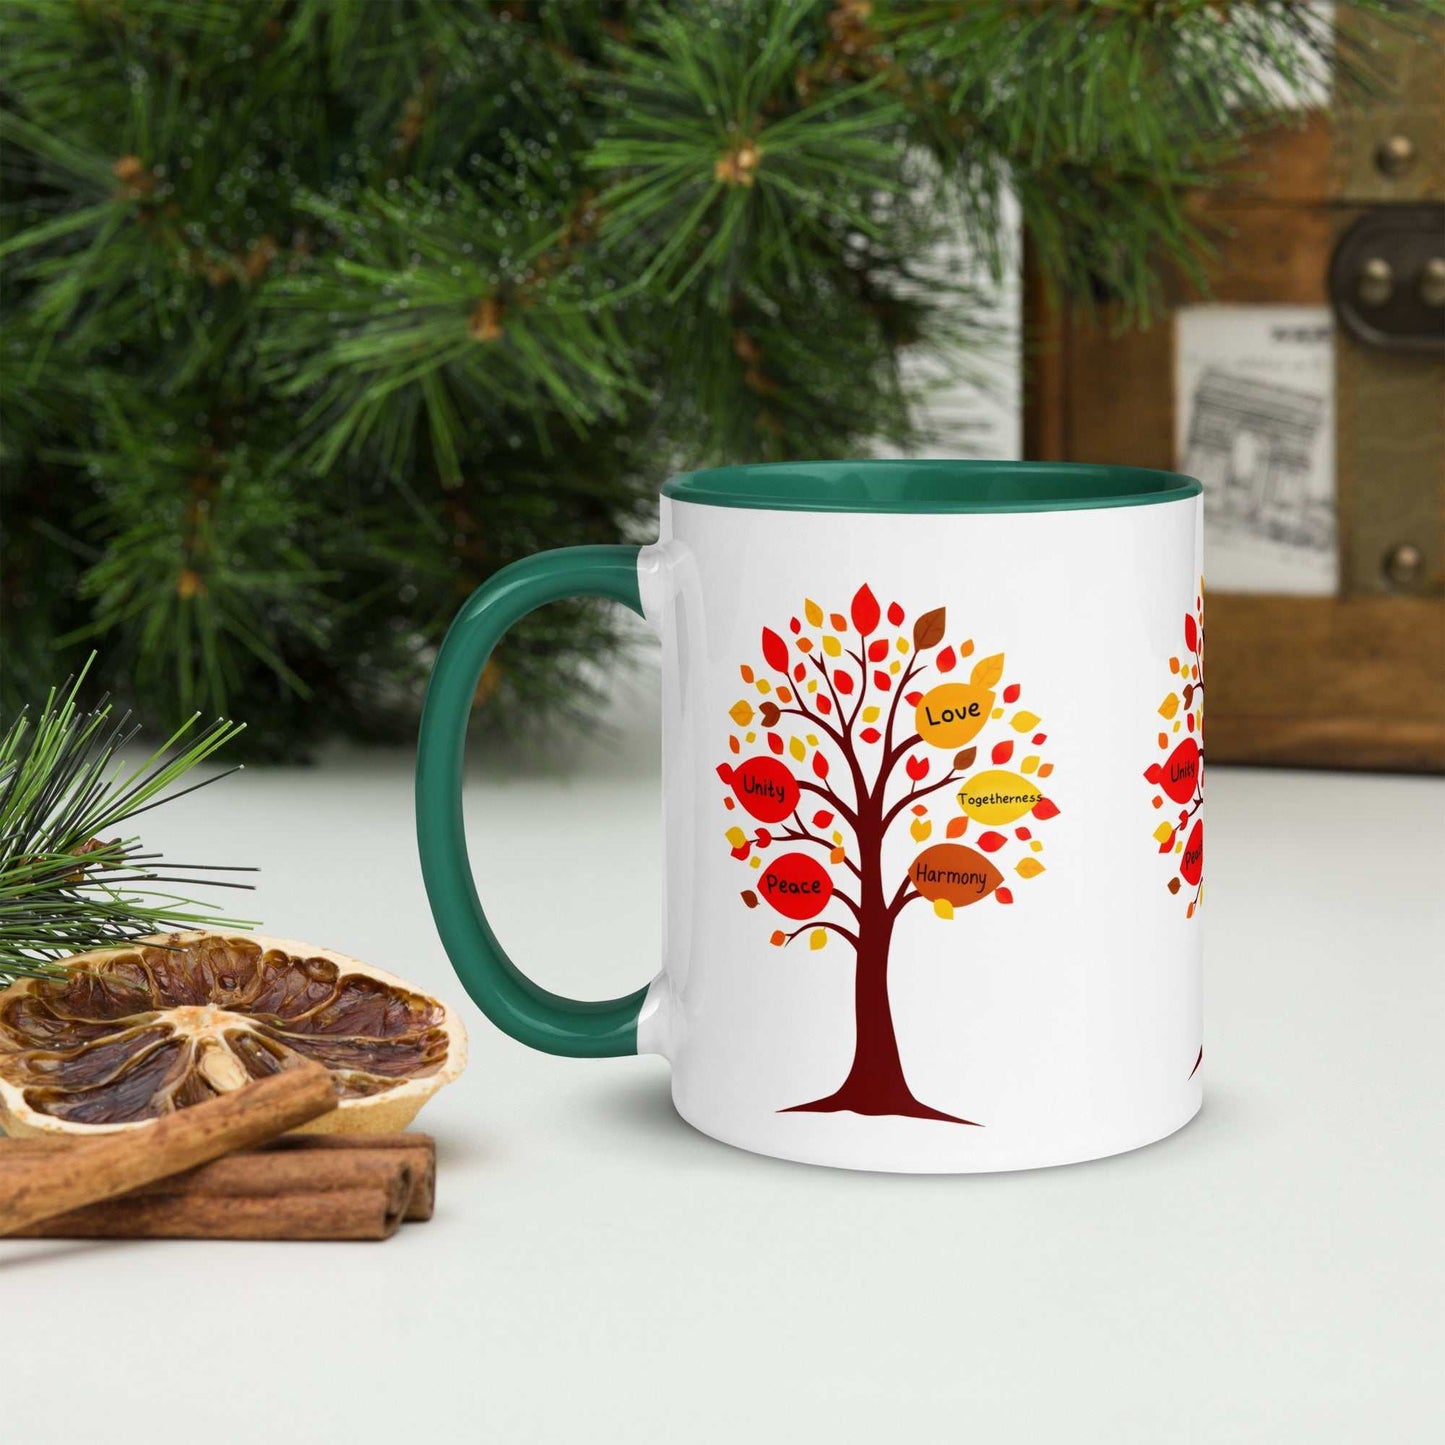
[(317, 312), (69, 880)]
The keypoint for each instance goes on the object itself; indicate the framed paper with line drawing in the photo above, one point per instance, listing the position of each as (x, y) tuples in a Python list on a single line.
[(1254, 421)]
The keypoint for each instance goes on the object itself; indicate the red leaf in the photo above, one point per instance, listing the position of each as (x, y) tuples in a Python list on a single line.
[(1168, 843), (945, 660), (1003, 895), (775, 742), (991, 842), (1022, 834), (795, 625), (865, 610), (913, 698), (775, 650), (870, 735), (882, 681), (877, 651), (1044, 809), (1191, 632), (799, 672), (895, 614), (957, 827), (1011, 692), (1039, 738), (820, 765), (725, 772), (1152, 773), (917, 769), (919, 809), (742, 852), (764, 838), (822, 818), (1003, 751), (825, 705), (843, 682)]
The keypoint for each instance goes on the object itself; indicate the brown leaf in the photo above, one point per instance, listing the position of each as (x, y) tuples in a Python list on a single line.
[(928, 630), (964, 761), (1174, 885), (769, 713), (750, 898)]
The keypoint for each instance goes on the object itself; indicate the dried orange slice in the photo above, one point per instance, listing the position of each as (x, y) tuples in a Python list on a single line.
[(131, 1033)]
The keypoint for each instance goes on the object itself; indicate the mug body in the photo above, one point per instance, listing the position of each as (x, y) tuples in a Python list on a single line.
[(933, 763)]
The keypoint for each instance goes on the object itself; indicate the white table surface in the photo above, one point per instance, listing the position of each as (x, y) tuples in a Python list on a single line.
[(598, 1271)]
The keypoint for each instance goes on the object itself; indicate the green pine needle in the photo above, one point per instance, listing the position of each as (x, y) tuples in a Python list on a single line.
[(68, 882)]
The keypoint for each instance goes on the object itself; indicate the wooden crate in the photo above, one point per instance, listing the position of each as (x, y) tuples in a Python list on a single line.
[(1356, 679)]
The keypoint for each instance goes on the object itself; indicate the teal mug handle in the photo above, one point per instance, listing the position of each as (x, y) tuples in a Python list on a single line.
[(543, 1020)]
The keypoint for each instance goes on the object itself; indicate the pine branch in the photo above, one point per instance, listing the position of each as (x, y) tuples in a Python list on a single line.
[(64, 888)]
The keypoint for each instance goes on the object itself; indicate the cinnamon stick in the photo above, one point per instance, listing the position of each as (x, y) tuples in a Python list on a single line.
[(91, 1170), (305, 1160), (360, 1212), (420, 1151)]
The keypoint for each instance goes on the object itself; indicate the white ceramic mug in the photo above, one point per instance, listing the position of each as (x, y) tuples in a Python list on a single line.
[(932, 779)]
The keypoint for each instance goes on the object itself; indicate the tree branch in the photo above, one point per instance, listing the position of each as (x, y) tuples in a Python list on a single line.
[(845, 743), (915, 795), (903, 898), (801, 834), (829, 796), (832, 927)]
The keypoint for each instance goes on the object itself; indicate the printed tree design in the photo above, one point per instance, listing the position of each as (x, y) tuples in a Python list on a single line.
[(1180, 776), (852, 743)]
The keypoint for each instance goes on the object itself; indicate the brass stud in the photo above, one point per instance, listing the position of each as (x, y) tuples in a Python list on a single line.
[(1376, 283), (1432, 281), (1395, 155), (1404, 563)]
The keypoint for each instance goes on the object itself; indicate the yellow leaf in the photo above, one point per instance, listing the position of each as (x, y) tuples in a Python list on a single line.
[(813, 613), (764, 686), (1021, 722), (755, 861), (987, 670), (750, 737), (818, 938), (870, 714), (741, 713), (837, 836), (736, 837), (1170, 705), (903, 644), (813, 685), (1036, 845), (895, 666), (1162, 832), (812, 740), (1029, 868), (943, 908), (997, 797), (996, 713), (920, 828), (1029, 763), (796, 748), (832, 646)]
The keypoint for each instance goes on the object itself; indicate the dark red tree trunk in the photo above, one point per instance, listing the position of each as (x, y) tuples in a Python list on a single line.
[(875, 1084)]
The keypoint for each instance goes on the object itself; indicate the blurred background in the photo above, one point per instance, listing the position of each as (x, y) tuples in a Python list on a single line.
[(318, 312)]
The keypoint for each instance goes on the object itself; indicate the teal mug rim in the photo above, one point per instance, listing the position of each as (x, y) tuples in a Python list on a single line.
[(907, 486)]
